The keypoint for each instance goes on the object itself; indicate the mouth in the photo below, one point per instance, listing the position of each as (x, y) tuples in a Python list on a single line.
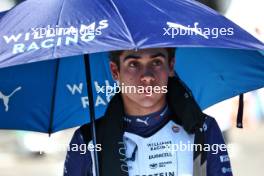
[(148, 91)]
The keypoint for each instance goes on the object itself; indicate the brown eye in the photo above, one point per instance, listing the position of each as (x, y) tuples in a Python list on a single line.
[(133, 64), (156, 63)]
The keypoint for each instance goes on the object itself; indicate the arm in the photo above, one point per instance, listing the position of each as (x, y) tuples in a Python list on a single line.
[(218, 162)]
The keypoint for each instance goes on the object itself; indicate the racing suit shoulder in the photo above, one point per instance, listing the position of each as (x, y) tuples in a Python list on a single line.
[(218, 162), (78, 159)]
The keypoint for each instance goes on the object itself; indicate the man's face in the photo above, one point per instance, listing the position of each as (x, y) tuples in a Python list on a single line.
[(147, 68)]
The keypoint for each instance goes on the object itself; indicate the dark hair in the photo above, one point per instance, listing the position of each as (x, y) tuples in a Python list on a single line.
[(114, 55)]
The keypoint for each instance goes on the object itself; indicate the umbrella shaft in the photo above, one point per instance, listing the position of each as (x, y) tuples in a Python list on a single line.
[(91, 108)]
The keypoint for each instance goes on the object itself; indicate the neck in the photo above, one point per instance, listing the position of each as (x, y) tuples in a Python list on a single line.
[(134, 109)]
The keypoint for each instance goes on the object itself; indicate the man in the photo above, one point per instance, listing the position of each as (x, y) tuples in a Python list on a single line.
[(143, 133)]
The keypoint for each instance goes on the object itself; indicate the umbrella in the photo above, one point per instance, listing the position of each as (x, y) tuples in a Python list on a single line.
[(75, 27), (48, 96), (114, 25)]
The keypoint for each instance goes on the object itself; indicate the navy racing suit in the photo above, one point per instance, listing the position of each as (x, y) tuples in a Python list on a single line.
[(151, 148)]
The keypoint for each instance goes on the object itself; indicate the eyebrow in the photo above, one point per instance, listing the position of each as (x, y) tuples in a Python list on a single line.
[(134, 56), (158, 55), (131, 56)]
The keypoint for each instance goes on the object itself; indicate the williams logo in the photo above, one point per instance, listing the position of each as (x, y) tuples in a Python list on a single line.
[(153, 166), (6, 98), (54, 36)]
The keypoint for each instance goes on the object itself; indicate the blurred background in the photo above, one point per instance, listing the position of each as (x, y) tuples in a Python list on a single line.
[(30, 153)]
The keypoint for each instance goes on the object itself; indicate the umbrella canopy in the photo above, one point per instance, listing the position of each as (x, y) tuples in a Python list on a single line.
[(52, 95), (72, 27), (2, 14), (214, 74)]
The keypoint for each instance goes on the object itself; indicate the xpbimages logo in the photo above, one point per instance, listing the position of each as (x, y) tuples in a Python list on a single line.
[(105, 91), (174, 29), (130, 89), (48, 36)]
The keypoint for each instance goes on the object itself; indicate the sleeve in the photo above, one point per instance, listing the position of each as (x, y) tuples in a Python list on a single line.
[(78, 160), (218, 162)]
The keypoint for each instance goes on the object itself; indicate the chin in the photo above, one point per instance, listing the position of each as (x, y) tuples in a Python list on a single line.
[(144, 100), (147, 104), (148, 101)]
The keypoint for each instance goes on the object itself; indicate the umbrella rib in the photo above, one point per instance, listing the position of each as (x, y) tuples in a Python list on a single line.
[(53, 98), (125, 25), (55, 87)]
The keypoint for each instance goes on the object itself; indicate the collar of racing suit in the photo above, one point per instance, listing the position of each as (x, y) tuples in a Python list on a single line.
[(182, 106), (147, 125)]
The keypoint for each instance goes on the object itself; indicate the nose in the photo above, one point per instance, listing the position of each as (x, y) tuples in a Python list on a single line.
[(147, 77)]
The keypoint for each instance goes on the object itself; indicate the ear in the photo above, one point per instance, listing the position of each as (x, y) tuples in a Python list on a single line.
[(171, 67), (114, 70)]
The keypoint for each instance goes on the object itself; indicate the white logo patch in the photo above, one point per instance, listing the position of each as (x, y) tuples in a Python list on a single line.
[(143, 121), (6, 98)]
